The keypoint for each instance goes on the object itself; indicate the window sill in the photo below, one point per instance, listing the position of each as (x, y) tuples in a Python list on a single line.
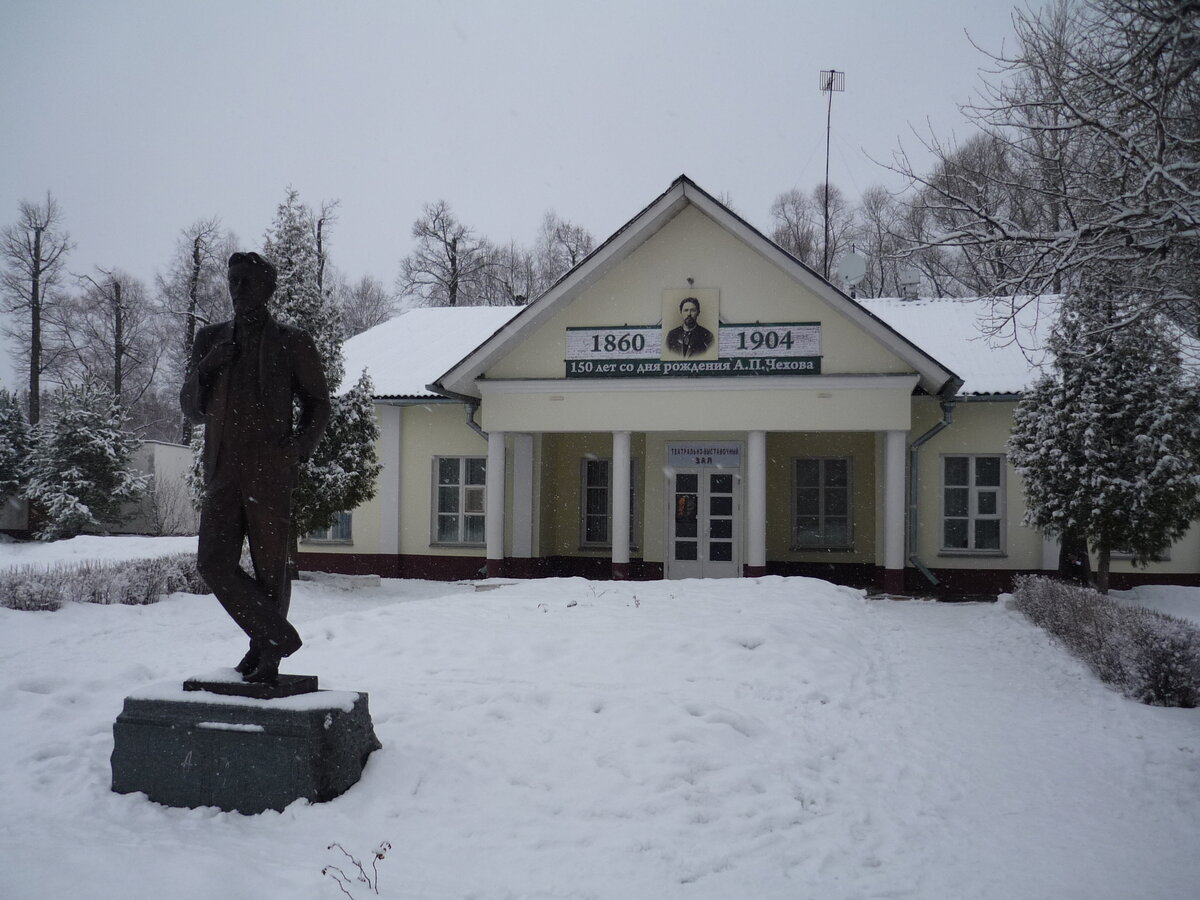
[(455, 545), (993, 554), (323, 542)]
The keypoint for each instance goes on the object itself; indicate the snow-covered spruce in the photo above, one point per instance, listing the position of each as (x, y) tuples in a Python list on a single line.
[(79, 471), (1108, 445), (341, 473), (14, 445)]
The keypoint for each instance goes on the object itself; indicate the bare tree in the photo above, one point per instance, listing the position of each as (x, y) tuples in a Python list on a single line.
[(512, 276), (169, 507), (192, 294), (941, 267), (561, 245), (878, 218), (112, 335), (320, 224), (450, 263), (364, 304), (798, 224), (33, 252), (1098, 111)]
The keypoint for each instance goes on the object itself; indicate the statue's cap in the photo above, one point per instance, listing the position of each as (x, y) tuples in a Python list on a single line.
[(253, 259)]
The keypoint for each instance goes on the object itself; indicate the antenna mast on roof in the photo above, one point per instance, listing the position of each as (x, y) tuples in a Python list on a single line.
[(831, 80)]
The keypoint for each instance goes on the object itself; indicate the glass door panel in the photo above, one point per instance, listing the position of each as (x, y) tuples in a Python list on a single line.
[(704, 529), (720, 517)]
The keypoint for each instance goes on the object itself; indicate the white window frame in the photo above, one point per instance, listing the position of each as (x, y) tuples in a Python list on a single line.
[(340, 532), (974, 516), (824, 544), (467, 496), (1163, 555), (584, 487)]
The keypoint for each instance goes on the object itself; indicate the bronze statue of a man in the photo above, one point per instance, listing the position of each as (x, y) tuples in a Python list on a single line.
[(246, 380)]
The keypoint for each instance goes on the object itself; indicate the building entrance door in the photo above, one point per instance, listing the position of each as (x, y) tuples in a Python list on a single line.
[(704, 523)]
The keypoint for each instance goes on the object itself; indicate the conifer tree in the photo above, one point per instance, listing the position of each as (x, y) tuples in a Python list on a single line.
[(291, 245), (341, 473), (14, 446), (1108, 444), (79, 473)]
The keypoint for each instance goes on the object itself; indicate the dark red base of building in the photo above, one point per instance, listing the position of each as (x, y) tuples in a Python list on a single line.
[(951, 582)]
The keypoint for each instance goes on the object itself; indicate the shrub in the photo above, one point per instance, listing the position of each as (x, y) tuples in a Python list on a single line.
[(1149, 656), (131, 582), (30, 588)]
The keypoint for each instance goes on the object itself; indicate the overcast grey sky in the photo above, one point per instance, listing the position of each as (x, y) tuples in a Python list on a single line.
[(142, 117)]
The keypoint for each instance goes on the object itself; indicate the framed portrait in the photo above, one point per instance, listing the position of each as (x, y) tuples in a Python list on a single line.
[(691, 323)]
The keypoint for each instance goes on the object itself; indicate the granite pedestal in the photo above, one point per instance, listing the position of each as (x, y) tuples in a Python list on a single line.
[(196, 747)]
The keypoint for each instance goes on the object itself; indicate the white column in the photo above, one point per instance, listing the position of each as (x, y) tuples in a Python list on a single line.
[(756, 500), (522, 501), (1050, 551), (619, 491), (893, 500), (494, 518), (391, 430)]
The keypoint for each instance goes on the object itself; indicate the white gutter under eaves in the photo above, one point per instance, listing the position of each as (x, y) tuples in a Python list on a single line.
[(471, 403)]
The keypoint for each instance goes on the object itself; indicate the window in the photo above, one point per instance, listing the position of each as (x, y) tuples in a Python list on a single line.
[(340, 532), (1163, 555), (821, 503), (459, 499), (973, 503), (596, 503)]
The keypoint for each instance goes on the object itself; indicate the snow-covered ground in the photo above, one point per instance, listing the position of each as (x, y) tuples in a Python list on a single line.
[(1174, 601), (89, 547), (775, 738)]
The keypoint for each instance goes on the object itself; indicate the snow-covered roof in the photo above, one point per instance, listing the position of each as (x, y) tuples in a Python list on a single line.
[(406, 353), (958, 333)]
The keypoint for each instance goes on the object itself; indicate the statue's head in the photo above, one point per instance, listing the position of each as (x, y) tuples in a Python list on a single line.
[(251, 281)]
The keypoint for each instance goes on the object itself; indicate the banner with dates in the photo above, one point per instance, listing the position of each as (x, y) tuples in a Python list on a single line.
[(635, 351)]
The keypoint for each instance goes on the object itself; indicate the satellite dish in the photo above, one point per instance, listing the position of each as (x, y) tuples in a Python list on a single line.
[(852, 267)]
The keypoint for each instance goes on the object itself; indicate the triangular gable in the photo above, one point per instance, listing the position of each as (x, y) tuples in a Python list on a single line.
[(934, 378)]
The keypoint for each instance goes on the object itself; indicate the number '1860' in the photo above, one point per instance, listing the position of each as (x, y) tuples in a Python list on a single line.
[(623, 343)]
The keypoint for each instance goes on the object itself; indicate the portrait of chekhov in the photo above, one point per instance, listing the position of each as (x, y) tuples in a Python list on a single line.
[(690, 324)]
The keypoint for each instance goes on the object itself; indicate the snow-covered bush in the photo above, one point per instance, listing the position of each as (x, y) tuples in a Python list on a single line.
[(32, 588), (129, 582), (1151, 657), (1165, 662)]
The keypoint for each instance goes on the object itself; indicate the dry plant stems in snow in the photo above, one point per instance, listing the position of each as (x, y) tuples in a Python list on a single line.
[(343, 880)]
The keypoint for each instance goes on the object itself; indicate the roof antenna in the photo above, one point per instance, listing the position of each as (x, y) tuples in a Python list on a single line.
[(831, 80)]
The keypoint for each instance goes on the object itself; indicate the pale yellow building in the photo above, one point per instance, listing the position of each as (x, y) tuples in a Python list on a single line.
[(691, 401)]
